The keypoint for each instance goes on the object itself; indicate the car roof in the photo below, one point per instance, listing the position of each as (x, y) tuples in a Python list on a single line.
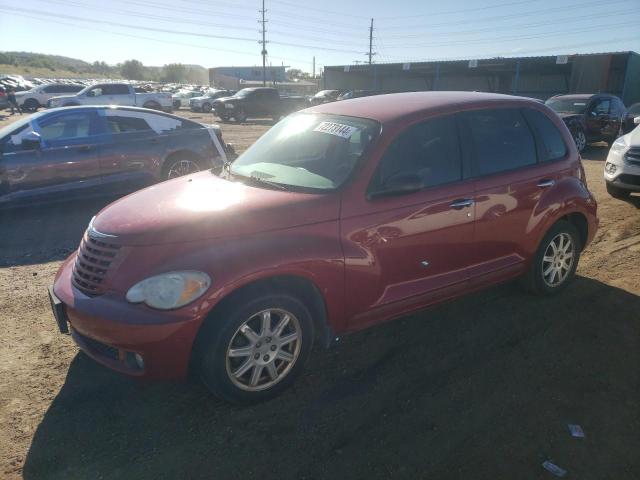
[(395, 106), (42, 113)]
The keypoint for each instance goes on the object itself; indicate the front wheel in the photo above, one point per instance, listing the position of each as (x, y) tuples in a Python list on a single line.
[(240, 117), (580, 139), (555, 262), (253, 350)]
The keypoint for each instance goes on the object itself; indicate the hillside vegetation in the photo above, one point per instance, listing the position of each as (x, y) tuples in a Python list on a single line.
[(55, 66)]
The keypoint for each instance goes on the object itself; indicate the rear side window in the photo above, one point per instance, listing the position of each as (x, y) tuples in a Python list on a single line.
[(552, 146), (502, 140), (126, 124), (429, 150), (115, 89)]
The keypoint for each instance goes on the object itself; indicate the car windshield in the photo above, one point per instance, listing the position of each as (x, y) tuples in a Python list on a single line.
[(567, 106), (307, 151), (243, 93)]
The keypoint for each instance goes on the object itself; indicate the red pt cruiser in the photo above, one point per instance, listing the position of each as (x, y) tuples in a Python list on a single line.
[(340, 217)]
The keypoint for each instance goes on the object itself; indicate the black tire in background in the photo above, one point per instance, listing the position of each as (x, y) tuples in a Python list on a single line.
[(220, 329), (534, 280), (240, 116), (31, 105), (206, 107), (579, 137)]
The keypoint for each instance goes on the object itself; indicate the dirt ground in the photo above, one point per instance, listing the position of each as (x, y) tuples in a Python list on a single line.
[(480, 388)]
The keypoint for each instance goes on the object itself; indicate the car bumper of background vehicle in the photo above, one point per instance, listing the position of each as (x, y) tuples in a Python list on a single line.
[(130, 339), (622, 174)]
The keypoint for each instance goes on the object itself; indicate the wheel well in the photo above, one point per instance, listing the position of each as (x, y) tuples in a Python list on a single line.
[(579, 221), (299, 287)]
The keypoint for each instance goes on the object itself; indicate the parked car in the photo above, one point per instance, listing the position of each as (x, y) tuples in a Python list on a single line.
[(182, 98), (622, 168), (113, 94), (324, 96), (82, 151), (256, 103), (632, 112), (338, 218), (32, 100), (349, 94), (204, 103), (590, 118), (4, 100)]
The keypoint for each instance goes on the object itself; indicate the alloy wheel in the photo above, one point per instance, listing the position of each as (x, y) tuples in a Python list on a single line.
[(263, 350), (182, 167), (581, 140), (558, 259)]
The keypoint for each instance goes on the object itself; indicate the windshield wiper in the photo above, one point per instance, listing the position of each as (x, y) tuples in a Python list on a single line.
[(258, 180)]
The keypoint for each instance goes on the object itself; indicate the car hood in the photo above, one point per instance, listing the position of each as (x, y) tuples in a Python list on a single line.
[(203, 206)]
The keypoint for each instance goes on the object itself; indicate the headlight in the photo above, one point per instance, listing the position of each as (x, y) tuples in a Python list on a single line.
[(620, 146), (169, 290), (228, 105)]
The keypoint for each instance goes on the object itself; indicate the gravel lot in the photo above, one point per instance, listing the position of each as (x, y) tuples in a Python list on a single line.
[(480, 388)]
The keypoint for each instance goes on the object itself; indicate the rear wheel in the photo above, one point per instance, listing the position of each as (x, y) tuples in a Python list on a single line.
[(31, 105), (253, 349), (152, 105), (181, 165), (555, 262), (618, 193)]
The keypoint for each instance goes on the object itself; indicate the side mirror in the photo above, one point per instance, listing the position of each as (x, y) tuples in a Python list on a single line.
[(636, 120), (400, 184), (31, 141)]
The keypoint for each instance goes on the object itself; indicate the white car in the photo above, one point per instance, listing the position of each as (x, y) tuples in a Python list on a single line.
[(32, 100), (205, 102), (622, 168), (182, 98), (114, 94)]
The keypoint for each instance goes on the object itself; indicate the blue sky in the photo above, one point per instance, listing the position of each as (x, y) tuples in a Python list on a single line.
[(225, 32)]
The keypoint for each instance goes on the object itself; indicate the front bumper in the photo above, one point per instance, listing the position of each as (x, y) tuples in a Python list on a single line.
[(622, 173), (112, 331)]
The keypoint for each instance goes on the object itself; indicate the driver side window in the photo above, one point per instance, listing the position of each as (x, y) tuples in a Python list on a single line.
[(602, 107), (95, 92), (429, 150)]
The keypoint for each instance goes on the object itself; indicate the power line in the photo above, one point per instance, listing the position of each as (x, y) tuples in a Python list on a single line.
[(507, 17)]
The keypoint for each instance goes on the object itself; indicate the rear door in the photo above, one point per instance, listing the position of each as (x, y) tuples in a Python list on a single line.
[(508, 184), (119, 94), (63, 166), (130, 156)]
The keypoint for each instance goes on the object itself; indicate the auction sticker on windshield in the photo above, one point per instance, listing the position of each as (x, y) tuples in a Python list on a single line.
[(337, 129)]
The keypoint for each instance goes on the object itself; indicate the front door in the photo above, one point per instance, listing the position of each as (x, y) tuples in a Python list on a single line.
[(65, 163), (405, 250), (599, 124)]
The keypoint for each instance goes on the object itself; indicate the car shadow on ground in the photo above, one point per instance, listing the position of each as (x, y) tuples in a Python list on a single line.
[(45, 233), (481, 388), (596, 151)]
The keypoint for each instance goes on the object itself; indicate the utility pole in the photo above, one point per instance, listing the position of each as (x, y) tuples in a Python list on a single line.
[(370, 41), (314, 66), (264, 46)]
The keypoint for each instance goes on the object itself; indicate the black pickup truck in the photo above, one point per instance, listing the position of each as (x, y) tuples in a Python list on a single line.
[(260, 102)]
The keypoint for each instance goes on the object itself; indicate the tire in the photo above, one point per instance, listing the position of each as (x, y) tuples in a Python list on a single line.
[(180, 165), (152, 106), (206, 107), (618, 193), (240, 117), (224, 118), (540, 280), (277, 365), (31, 105), (176, 105), (579, 138)]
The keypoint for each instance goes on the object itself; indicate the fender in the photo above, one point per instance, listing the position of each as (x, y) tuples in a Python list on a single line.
[(566, 197)]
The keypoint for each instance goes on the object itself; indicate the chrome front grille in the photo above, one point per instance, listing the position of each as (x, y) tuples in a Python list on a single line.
[(92, 264)]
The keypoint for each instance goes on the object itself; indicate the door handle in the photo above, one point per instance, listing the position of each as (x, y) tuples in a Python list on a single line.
[(462, 203), (545, 183)]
